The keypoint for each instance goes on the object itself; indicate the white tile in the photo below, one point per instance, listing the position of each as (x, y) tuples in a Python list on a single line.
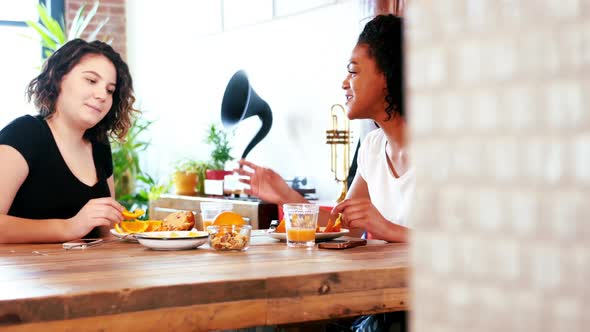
[(584, 30), (452, 208), (484, 107), (553, 167), (502, 159), (503, 65), (581, 158), (566, 314), (533, 158), (522, 213), (453, 106), (436, 69), (519, 105), (528, 306), (467, 158), (442, 261), (564, 105), (422, 115), (565, 215), (564, 9), (473, 256), (468, 62), (546, 268), (507, 261), (488, 210)]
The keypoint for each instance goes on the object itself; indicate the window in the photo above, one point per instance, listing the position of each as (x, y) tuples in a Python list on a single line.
[(20, 58)]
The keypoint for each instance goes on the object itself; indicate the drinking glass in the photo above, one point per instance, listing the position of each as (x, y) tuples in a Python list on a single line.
[(301, 221)]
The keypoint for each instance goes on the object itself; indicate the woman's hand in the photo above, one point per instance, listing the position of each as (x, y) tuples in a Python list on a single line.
[(358, 213), (267, 184), (361, 213), (97, 212)]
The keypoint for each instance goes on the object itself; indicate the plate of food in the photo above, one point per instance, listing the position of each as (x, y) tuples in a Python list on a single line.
[(172, 240), (128, 228)]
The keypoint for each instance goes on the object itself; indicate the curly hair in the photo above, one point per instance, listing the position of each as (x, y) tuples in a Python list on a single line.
[(45, 88), (384, 37)]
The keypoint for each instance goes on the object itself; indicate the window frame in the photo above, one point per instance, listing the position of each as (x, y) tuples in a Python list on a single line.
[(56, 9)]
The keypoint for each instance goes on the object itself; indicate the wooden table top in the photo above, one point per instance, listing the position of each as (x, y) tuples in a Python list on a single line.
[(44, 286)]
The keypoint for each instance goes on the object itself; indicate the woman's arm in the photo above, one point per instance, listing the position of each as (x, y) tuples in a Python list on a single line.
[(359, 214), (105, 231), (13, 172)]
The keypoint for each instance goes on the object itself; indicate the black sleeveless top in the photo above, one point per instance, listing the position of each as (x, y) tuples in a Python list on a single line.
[(51, 190)]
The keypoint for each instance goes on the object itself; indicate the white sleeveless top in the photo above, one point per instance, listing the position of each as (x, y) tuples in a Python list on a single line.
[(390, 195)]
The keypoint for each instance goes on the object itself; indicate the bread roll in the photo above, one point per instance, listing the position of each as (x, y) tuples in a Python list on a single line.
[(179, 221)]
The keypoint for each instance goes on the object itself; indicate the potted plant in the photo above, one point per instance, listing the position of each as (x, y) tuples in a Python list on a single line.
[(126, 157), (217, 138), (53, 32), (188, 177)]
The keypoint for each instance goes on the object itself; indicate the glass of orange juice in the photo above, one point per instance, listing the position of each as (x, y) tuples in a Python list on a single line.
[(301, 221), (210, 210)]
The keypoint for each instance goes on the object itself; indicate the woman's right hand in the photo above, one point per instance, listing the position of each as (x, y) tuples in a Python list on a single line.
[(267, 184), (104, 211)]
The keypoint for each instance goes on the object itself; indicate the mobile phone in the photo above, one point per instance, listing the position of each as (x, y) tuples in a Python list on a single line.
[(82, 243), (342, 244)]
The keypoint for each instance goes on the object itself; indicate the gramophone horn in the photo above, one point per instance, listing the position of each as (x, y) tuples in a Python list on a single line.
[(240, 101)]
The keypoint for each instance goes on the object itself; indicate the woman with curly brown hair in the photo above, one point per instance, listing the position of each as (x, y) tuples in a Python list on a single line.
[(381, 194), (56, 173)]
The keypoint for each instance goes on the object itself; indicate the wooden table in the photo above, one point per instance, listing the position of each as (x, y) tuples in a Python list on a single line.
[(124, 286)]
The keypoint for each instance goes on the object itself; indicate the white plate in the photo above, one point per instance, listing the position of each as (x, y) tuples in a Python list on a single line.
[(172, 240), (318, 236), (126, 236)]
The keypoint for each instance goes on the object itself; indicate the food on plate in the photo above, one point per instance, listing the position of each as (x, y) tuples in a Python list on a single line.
[(333, 226), (128, 215), (119, 229), (178, 221), (155, 225), (136, 226), (229, 218), (281, 227)]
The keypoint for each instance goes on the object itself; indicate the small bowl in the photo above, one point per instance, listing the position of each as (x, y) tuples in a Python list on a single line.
[(229, 237)]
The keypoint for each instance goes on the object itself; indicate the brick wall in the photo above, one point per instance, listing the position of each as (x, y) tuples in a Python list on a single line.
[(499, 107), (115, 28)]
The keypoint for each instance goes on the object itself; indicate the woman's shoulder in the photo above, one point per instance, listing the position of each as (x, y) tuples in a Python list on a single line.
[(374, 139), (31, 125), (26, 121)]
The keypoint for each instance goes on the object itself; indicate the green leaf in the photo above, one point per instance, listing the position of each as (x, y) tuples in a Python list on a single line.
[(47, 40), (57, 31), (94, 33), (87, 19), (76, 23)]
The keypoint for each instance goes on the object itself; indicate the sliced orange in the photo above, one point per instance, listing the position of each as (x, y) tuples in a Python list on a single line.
[(338, 224), (229, 218), (153, 225), (118, 229), (329, 227), (135, 226), (281, 227), (133, 215)]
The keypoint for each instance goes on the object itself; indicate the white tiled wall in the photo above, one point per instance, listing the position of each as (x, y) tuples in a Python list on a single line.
[(499, 97)]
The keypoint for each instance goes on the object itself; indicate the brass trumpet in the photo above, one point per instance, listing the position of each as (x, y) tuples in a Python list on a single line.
[(339, 140)]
